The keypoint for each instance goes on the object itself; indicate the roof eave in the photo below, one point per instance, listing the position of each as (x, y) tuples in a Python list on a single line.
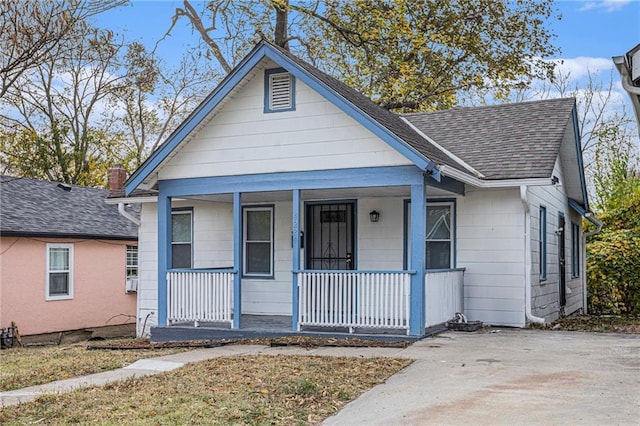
[(261, 51), (493, 183), (634, 92), (7, 233)]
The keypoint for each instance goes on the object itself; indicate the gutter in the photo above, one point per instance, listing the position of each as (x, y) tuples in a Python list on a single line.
[(127, 215), (497, 183), (527, 257)]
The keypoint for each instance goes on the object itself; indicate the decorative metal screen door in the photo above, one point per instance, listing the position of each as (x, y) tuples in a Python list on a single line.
[(330, 236)]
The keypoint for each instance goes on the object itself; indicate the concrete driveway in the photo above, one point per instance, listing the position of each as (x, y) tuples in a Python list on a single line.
[(509, 377)]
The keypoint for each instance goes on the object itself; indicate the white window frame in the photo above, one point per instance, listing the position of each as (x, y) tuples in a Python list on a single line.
[(245, 242), (451, 240), (129, 265), (48, 272)]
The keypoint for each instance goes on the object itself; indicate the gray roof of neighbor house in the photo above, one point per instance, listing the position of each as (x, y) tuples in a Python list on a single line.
[(37, 208), (510, 141)]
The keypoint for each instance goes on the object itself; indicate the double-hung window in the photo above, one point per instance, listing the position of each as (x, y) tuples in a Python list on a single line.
[(258, 241), (575, 250), (59, 271), (543, 243), (132, 262), (439, 235), (181, 239)]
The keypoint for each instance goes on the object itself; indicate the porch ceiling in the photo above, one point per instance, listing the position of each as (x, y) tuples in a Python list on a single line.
[(321, 194)]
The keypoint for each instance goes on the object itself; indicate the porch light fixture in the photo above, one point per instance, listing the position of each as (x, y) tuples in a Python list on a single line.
[(374, 216), (555, 180)]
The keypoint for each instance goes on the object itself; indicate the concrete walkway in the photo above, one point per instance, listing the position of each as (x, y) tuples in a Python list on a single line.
[(505, 377)]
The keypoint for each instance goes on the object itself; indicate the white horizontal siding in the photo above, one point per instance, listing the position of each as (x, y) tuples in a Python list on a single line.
[(545, 294), (243, 139), (380, 244), (147, 269), (490, 246)]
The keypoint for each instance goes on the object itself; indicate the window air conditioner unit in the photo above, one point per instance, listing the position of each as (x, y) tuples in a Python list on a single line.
[(132, 285)]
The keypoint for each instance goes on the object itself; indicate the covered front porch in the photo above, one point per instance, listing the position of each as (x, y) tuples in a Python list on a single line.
[(311, 259)]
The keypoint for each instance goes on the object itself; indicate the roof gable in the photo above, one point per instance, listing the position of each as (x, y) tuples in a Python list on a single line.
[(382, 123), (31, 207)]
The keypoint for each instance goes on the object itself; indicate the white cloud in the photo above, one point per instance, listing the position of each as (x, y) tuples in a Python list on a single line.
[(606, 5), (582, 66)]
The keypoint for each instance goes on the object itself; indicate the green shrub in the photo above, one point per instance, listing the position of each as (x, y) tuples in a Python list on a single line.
[(613, 273)]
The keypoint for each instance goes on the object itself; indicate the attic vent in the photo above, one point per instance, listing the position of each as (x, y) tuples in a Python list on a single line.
[(279, 91)]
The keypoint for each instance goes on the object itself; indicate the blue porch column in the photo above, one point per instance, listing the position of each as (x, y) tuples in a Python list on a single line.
[(295, 235), (237, 259), (164, 254), (418, 260)]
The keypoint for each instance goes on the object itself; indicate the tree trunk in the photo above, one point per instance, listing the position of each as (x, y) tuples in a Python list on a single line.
[(282, 10)]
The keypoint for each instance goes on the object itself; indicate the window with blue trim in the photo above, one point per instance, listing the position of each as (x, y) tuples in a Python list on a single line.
[(543, 243), (258, 241), (575, 250), (279, 91), (439, 236), (181, 239)]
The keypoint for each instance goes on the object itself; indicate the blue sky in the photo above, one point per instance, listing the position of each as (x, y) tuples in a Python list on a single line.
[(589, 29), (589, 34)]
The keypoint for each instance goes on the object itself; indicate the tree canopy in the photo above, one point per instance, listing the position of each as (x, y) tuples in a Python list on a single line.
[(407, 55)]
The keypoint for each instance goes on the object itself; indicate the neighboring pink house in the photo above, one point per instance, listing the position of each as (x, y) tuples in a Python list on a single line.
[(68, 261)]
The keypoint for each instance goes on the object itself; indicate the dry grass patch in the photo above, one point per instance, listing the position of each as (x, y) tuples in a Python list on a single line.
[(601, 324), (258, 389), (36, 365)]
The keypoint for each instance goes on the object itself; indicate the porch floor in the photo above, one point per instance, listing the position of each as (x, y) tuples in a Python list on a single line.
[(270, 326)]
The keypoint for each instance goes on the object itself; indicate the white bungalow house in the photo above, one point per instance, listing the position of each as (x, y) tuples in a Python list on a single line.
[(287, 194)]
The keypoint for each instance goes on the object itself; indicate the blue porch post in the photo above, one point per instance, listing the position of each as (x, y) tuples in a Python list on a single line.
[(295, 226), (418, 260), (164, 254), (237, 259)]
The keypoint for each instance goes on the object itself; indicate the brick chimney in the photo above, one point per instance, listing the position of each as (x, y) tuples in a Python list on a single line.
[(117, 178)]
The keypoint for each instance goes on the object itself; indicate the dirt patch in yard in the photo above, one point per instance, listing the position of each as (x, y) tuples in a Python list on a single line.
[(598, 324), (303, 341)]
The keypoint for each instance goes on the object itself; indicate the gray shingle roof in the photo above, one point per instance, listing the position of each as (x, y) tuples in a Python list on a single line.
[(31, 207), (511, 141)]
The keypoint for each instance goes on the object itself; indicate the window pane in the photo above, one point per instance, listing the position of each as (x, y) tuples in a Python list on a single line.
[(181, 256), (438, 254), (181, 228), (58, 259), (438, 222), (258, 258), (258, 225), (58, 283)]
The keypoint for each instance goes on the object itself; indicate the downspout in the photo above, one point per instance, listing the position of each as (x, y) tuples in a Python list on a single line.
[(127, 215), (527, 257), (593, 219)]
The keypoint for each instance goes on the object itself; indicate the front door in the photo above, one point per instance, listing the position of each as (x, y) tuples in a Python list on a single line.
[(562, 261), (330, 236)]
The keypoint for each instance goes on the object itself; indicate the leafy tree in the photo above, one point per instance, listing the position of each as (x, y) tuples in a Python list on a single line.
[(91, 102), (156, 98), (404, 54), (59, 107), (31, 30)]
